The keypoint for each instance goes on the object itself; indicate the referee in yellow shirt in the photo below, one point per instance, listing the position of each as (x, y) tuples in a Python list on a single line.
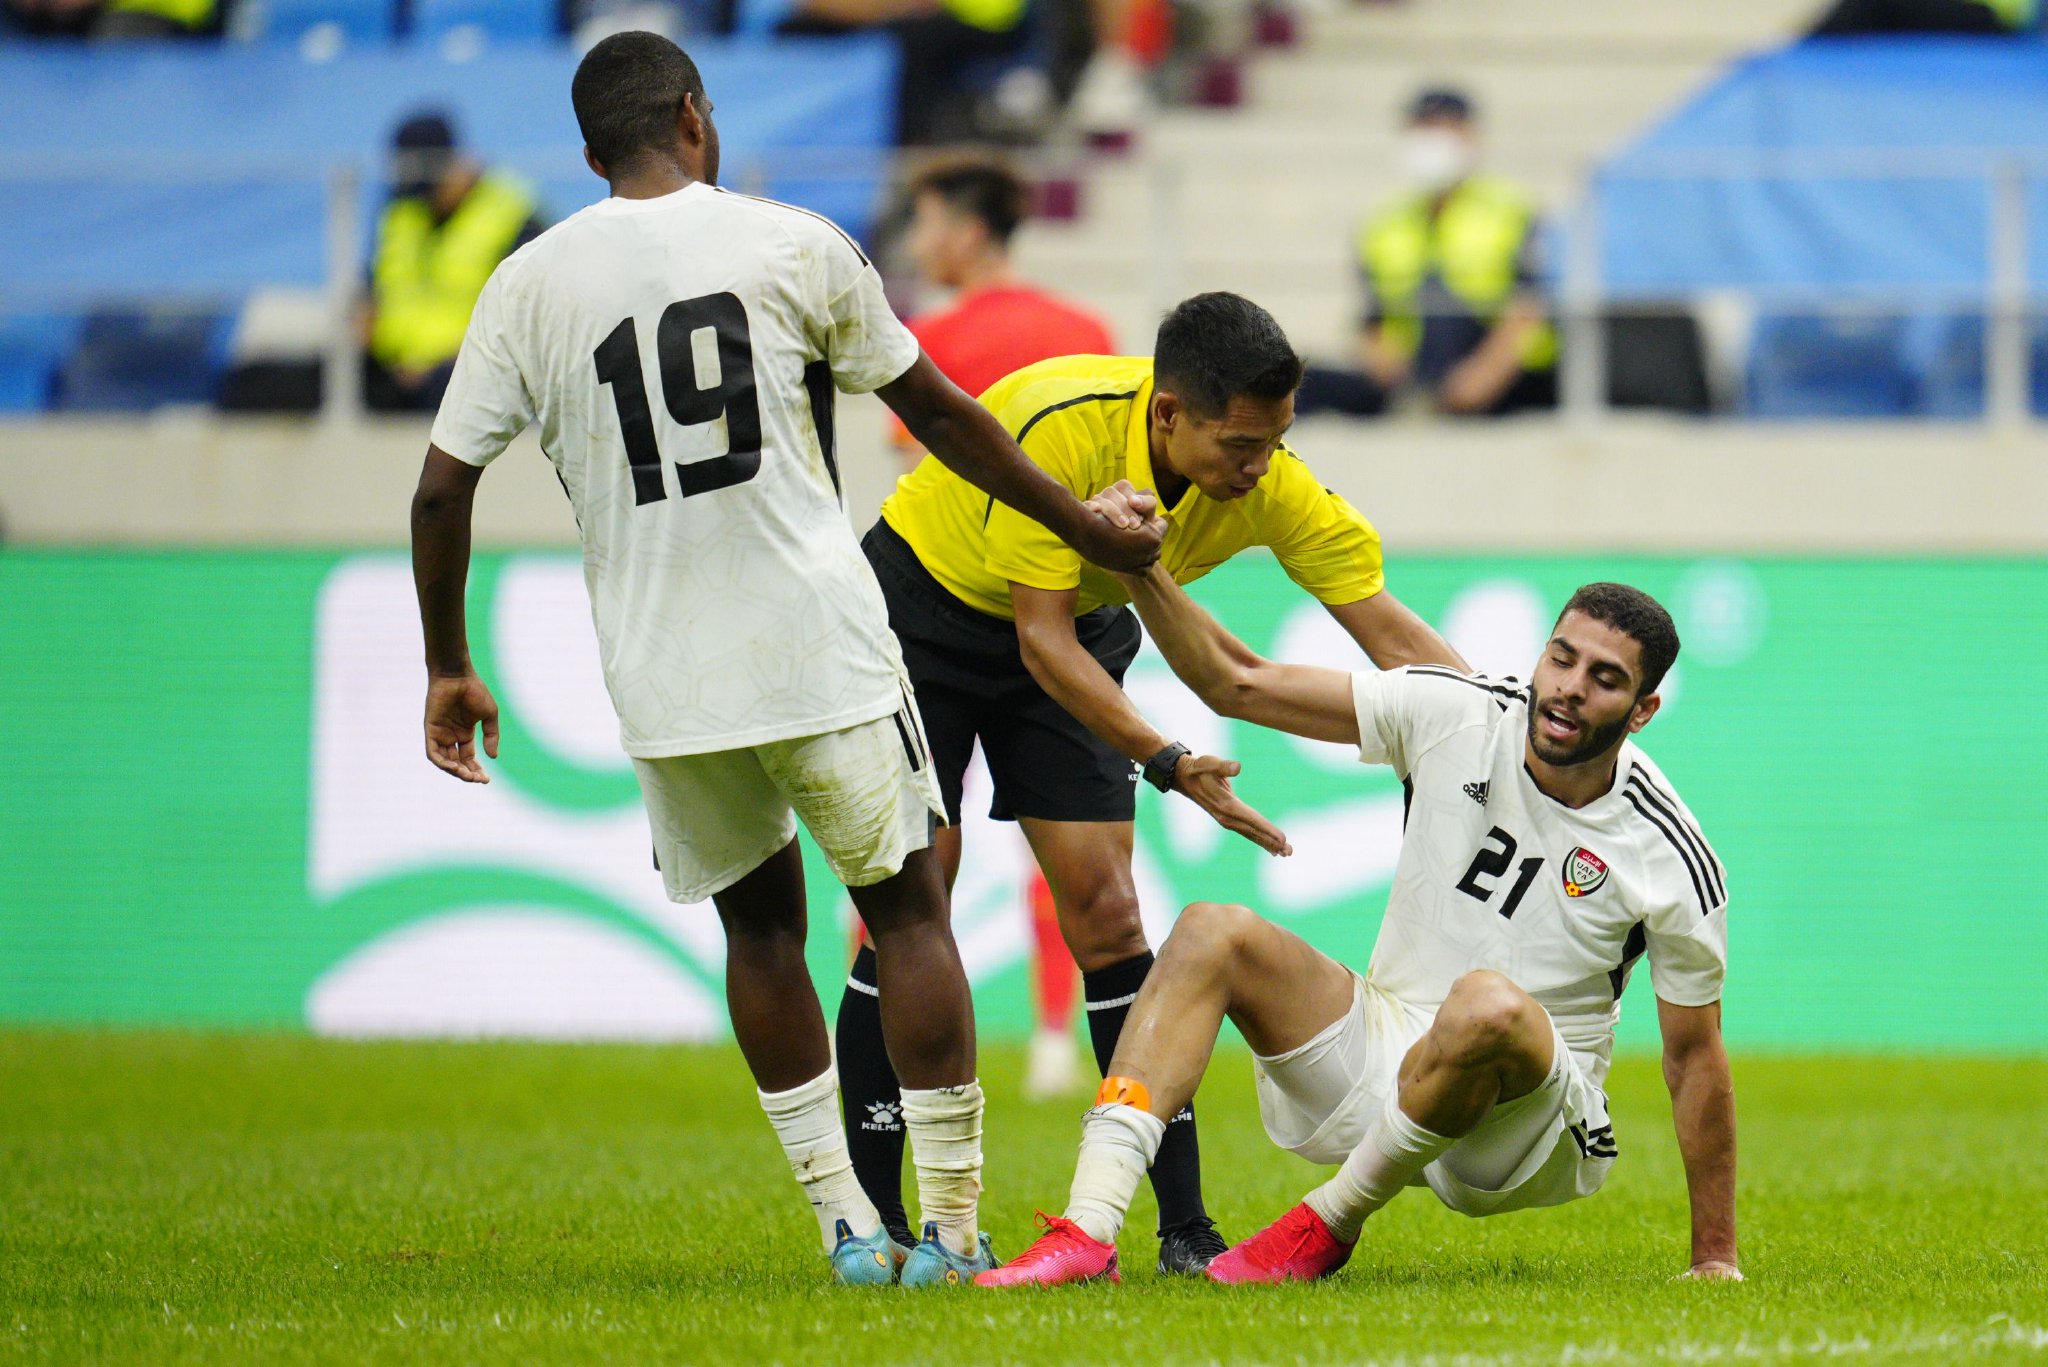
[(1012, 639)]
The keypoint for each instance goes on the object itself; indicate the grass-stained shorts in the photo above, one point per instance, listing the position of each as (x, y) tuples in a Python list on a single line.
[(866, 794)]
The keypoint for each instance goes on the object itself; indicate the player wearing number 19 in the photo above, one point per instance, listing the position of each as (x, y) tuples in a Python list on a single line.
[(678, 348)]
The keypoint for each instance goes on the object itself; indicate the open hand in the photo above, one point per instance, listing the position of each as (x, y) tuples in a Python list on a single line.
[(456, 706), (1205, 780)]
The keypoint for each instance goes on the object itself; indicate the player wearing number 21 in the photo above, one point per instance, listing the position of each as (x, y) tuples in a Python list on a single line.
[(678, 348), (1544, 854)]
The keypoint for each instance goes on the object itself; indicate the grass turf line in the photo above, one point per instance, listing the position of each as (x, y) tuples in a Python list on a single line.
[(169, 1197)]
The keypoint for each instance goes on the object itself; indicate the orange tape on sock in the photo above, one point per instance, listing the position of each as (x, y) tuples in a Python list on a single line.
[(1124, 1091)]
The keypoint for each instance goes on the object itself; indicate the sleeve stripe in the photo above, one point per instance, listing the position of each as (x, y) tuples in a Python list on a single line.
[(1499, 691), (1715, 868), (1032, 421), (1685, 854), (797, 209), (1050, 409), (1664, 802)]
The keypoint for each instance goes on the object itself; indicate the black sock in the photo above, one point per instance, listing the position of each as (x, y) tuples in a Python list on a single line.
[(870, 1099), (1177, 1171)]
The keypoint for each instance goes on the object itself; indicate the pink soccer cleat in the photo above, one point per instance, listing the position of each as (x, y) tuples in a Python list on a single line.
[(1064, 1253), (1297, 1247)]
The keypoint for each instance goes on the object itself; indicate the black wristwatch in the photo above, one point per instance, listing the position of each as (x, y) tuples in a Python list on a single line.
[(1160, 768)]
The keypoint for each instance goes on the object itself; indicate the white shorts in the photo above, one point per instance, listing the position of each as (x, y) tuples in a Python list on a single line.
[(866, 794), (1551, 1146)]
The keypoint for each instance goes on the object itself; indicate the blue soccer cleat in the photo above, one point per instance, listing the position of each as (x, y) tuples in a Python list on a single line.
[(931, 1263), (872, 1261)]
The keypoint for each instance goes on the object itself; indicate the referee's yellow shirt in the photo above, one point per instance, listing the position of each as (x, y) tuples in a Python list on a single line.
[(1083, 419)]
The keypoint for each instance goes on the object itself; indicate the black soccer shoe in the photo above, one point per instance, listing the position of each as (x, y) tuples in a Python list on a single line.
[(1186, 1249)]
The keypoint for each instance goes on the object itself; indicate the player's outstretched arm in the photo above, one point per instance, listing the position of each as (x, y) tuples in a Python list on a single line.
[(457, 700), (1703, 1112), (967, 437), (1392, 634), (1233, 679)]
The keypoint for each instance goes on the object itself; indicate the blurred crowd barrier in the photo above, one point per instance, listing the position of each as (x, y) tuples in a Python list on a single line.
[(217, 812)]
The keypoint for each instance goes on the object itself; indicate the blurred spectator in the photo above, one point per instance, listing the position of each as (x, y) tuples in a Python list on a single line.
[(1111, 99), (942, 40), (963, 214), (1928, 16), (1452, 311), (448, 225), (117, 18)]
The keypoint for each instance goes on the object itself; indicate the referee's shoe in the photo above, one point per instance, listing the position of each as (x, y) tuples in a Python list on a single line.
[(1186, 1249)]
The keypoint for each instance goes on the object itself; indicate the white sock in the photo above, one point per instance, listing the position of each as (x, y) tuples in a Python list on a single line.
[(1118, 1144), (806, 1120), (945, 1148), (1393, 1151)]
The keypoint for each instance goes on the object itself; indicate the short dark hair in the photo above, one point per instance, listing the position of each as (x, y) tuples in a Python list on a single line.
[(982, 188), (629, 92), (1637, 615), (1217, 346), (1440, 102)]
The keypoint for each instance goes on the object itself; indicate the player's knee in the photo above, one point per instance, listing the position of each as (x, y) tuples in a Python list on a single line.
[(1210, 930), (1485, 1018), (1102, 926)]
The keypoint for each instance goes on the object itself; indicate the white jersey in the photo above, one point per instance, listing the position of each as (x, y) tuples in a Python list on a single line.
[(679, 355), (1494, 874)]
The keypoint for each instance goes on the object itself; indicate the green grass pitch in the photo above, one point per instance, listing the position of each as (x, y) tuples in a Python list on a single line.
[(271, 1199)]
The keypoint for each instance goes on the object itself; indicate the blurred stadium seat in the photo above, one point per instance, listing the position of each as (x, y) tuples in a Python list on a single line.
[(1809, 365), (500, 21), (32, 346), (137, 360), (357, 22)]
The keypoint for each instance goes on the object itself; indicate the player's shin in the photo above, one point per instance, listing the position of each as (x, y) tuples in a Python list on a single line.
[(945, 1148), (1177, 1159), (1118, 1143), (806, 1121), (873, 1098), (1394, 1150)]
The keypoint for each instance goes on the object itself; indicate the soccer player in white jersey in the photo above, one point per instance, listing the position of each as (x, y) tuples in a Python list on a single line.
[(1544, 854), (678, 347)]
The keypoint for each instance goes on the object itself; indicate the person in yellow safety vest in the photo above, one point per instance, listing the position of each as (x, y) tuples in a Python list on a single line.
[(1453, 311), (115, 19), (448, 225)]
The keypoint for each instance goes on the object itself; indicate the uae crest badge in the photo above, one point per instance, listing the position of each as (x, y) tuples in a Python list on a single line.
[(1584, 872)]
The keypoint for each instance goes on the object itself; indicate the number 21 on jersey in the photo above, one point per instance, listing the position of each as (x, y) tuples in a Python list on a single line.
[(733, 397), (1490, 863)]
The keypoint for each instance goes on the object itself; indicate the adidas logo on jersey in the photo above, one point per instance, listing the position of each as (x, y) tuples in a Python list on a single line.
[(882, 1115), (1477, 791)]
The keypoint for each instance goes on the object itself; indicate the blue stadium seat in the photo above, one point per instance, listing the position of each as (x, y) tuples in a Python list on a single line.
[(1954, 383), (359, 22), (32, 347), (133, 361), (500, 21), (1830, 366)]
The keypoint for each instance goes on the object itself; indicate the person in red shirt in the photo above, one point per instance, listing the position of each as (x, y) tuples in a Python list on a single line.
[(963, 215)]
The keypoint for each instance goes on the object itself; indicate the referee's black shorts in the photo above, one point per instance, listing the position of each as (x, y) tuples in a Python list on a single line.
[(971, 683)]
